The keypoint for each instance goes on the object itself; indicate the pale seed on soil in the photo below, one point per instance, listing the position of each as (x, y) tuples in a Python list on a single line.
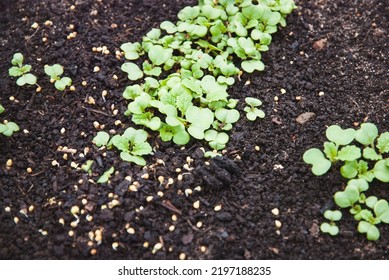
[(9, 163), (71, 233), (174, 218), (35, 25), (217, 208), (196, 204), (172, 228), (199, 224), (203, 249), (115, 245), (182, 256), (29, 170), (16, 220), (61, 221), (146, 244), (7, 209), (131, 230), (275, 211), (278, 223)]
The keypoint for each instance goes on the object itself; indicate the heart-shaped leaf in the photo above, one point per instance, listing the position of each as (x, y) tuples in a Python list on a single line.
[(101, 139), (349, 153), (340, 136), (381, 210), (334, 216), (381, 170), (371, 231), (315, 157), (133, 71), (366, 134), (331, 229), (346, 198), (383, 142), (251, 65)]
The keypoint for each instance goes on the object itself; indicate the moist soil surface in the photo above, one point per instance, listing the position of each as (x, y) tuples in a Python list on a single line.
[(331, 60)]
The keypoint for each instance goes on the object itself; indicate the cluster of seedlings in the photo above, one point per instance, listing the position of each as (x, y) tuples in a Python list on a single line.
[(362, 163)]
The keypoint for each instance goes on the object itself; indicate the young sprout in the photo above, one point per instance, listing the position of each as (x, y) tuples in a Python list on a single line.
[(331, 227), (55, 72), (252, 112), (21, 71), (106, 175)]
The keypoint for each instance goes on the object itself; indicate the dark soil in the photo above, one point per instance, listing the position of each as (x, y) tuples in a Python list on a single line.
[(351, 69)]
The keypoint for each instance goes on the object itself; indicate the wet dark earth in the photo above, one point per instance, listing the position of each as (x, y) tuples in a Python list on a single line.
[(258, 201)]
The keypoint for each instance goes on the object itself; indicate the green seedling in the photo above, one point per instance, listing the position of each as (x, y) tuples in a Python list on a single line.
[(331, 227), (252, 112), (55, 72), (132, 144), (182, 70), (87, 167), (7, 128), (106, 175), (21, 71), (367, 161)]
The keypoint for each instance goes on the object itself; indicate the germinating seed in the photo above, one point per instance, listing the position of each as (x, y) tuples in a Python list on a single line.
[(75, 210), (157, 247), (188, 192), (182, 256), (16, 220), (298, 98), (179, 177), (96, 69), (35, 25), (160, 194), (283, 91), (89, 218), (132, 188), (149, 198), (145, 176), (61, 221), (161, 179), (48, 23), (115, 245), (72, 88), (196, 204), (84, 83)]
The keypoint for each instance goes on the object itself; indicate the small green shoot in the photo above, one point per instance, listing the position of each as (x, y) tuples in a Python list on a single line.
[(331, 227), (252, 112), (106, 175), (21, 71), (55, 72)]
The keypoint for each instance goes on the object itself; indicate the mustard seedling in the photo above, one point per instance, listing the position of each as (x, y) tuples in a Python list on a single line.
[(22, 71), (7, 128), (252, 112), (55, 72), (362, 156)]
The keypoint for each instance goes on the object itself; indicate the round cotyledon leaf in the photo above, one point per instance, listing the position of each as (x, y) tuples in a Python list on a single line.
[(315, 157), (340, 136)]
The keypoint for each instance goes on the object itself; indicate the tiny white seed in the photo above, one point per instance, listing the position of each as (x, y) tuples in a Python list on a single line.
[(278, 223), (275, 211), (35, 25), (196, 204), (172, 228), (174, 218), (75, 210), (182, 256), (61, 221), (9, 163), (149, 198), (131, 230), (217, 208), (96, 69), (199, 224)]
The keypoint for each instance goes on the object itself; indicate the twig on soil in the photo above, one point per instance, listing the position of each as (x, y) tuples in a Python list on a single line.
[(96, 111)]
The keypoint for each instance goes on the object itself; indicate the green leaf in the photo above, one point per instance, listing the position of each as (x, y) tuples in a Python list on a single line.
[(346, 198), (381, 170), (135, 136), (17, 59), (131, 50), (106, 175), (1, 109), (370, 153), (184, 101), (154, 34), (54, 71), (16, 71), (331, 151), (138, 160), (26, 79), (87, 166), (331, 229), (315, 157), (217, 140), (159, 55), (349, 153), (227, 116), (142, 149), (198, 125), (253, 102), (210, 12), (251, 65), (350, 169), (121, 143), (371, 231), (189, 13), (381, 210), (168, 26), (364, 172), (9, 128), (101, 139), (383, 143), (371, 201), (339, 136), (131, 92), (63, 83), (360, 184), (133, 71), (366, 134), (333, 215), (214, 90)]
